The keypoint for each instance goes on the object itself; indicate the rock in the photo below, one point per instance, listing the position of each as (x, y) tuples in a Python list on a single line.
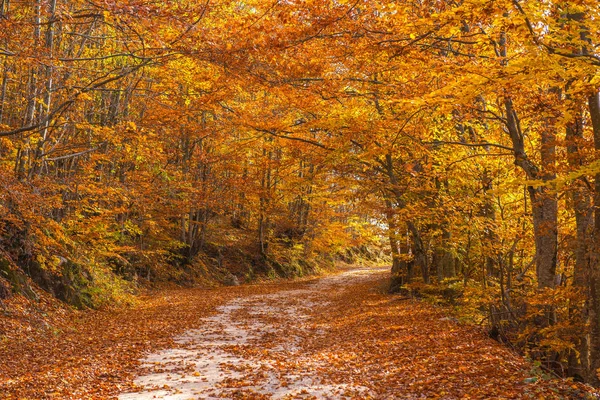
[(231, 280)]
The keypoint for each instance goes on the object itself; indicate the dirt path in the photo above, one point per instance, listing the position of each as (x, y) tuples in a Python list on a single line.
[(242, 350), (335, 338)]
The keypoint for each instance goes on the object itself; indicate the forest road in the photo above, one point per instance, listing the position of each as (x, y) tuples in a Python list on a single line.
[(260, 346), (336, 337)]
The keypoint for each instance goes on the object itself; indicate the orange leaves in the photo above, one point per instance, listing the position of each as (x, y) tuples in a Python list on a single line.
[(150, 138), (354, 337)]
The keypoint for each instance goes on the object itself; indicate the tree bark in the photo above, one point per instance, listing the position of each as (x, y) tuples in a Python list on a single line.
[(3, 87), (419, 250), (580, 198), (594, 276), (399, 276), (445, 264), (544, 204)]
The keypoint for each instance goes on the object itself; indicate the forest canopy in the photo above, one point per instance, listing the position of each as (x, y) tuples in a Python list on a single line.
[(144, 141)]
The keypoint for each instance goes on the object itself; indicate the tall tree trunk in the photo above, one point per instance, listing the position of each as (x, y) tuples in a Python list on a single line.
[(580, 198), (544, 204), (3, 10), (32, 81), (594, 276), (49, 42)]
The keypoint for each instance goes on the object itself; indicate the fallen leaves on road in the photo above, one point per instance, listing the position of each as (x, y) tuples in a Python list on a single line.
[(356, 339), (93, 354)]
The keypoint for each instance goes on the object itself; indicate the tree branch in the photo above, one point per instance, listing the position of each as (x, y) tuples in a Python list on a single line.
[(484, 144)]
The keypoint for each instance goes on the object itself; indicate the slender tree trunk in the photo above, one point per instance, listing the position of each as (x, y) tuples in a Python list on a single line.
[(49, 42), (399, 277), (581, 203), (580, 198), (444, 260), (3, 87), (3, 10), (263, 219), (32, 81), (489, 213)]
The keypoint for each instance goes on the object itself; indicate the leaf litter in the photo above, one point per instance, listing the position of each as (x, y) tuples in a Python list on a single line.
[(338, 337)]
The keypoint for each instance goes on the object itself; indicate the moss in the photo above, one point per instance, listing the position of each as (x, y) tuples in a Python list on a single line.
[(16, 278)]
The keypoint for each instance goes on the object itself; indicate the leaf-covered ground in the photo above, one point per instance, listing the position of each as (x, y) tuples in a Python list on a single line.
[(336, 337)]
